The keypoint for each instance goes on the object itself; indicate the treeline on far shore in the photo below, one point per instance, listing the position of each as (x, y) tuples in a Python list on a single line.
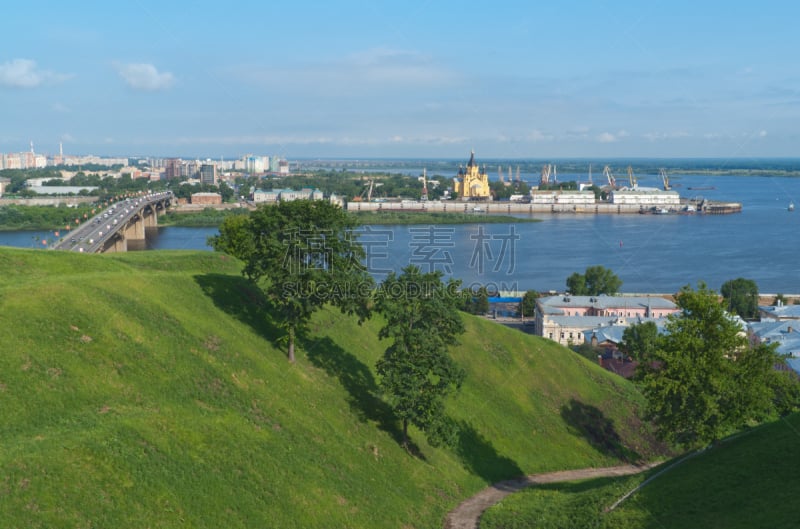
[(14, 217)]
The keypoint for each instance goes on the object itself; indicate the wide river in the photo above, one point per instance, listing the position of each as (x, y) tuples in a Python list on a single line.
[(650, 253)]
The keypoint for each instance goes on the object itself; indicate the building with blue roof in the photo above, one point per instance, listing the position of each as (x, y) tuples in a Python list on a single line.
[(780, 312), (794, 364), (785, 333)]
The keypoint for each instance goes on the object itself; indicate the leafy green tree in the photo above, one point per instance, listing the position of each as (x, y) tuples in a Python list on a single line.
[(595, 281), (706, 380), (303, 254), (226, 192), (476, 300), (235, 237), (741, 297), (572, 185), (528, 304), (417, 373), (598, 193), (576, 284), (640, 342)]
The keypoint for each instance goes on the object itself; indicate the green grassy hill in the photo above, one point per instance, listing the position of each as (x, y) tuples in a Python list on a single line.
[(745, 482), (147, 390)]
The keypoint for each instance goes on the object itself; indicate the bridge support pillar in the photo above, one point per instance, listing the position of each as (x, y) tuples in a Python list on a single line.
[(134, 234), (117, 243), (150, 218)]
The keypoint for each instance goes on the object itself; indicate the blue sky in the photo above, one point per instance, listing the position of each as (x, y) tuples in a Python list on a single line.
[(402, 79)]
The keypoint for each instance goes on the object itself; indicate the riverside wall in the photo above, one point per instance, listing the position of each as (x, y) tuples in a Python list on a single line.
[(489, 207)]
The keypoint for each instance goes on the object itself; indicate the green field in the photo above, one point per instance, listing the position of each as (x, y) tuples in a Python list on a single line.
[(745, 482), (147, 390)]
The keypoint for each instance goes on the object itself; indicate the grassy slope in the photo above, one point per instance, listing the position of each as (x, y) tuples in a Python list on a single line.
[(748, 481), (144, 390)]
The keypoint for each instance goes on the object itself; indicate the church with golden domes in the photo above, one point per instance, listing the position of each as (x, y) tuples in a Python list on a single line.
[(472, 182)]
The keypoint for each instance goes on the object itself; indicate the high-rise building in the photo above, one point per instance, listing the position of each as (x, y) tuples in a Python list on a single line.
[(253, 164), (273, 164), (192, 169), (208, 174), (173, 168)]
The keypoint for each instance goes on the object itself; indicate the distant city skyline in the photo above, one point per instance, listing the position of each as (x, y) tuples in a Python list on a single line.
[(354, 79)]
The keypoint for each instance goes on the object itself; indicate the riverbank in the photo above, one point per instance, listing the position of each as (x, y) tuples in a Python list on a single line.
[(15, 217), (198, 218)]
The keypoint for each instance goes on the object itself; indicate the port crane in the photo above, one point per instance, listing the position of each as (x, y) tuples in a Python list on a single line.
[(664, 178), (547, 171), (631, 178), (545, 174), (369, 187), (610, 177)]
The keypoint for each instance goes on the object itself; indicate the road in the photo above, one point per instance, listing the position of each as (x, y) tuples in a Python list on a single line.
[(468, 513), (90, 236)]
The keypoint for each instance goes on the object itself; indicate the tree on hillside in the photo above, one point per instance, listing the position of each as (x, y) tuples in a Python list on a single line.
[(595, 281), (417, 373), (476, 300), (303, 254), (528, 304), (741, 297), (640, 340), (703, 379)]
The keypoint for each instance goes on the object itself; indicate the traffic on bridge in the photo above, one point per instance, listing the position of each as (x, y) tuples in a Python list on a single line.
[(112, 228)]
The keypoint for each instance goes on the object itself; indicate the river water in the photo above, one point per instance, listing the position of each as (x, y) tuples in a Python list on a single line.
[(650, 253)]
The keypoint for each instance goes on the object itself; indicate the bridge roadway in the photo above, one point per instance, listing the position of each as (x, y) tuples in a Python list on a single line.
[(116, 227)]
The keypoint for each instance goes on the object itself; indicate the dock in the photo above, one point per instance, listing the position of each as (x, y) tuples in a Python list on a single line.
[(529, 208)]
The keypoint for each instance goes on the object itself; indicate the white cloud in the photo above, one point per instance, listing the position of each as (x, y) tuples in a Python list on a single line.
[(762, 134), (24, 73), (381, 65), (655, 136), (538, 135), (143, 76), (581, 132), (606, 137)]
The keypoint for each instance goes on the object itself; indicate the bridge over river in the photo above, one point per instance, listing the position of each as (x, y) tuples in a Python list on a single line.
[(120, 227)]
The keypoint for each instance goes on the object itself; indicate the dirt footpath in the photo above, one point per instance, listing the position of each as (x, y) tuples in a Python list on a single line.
[(466, 515)]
